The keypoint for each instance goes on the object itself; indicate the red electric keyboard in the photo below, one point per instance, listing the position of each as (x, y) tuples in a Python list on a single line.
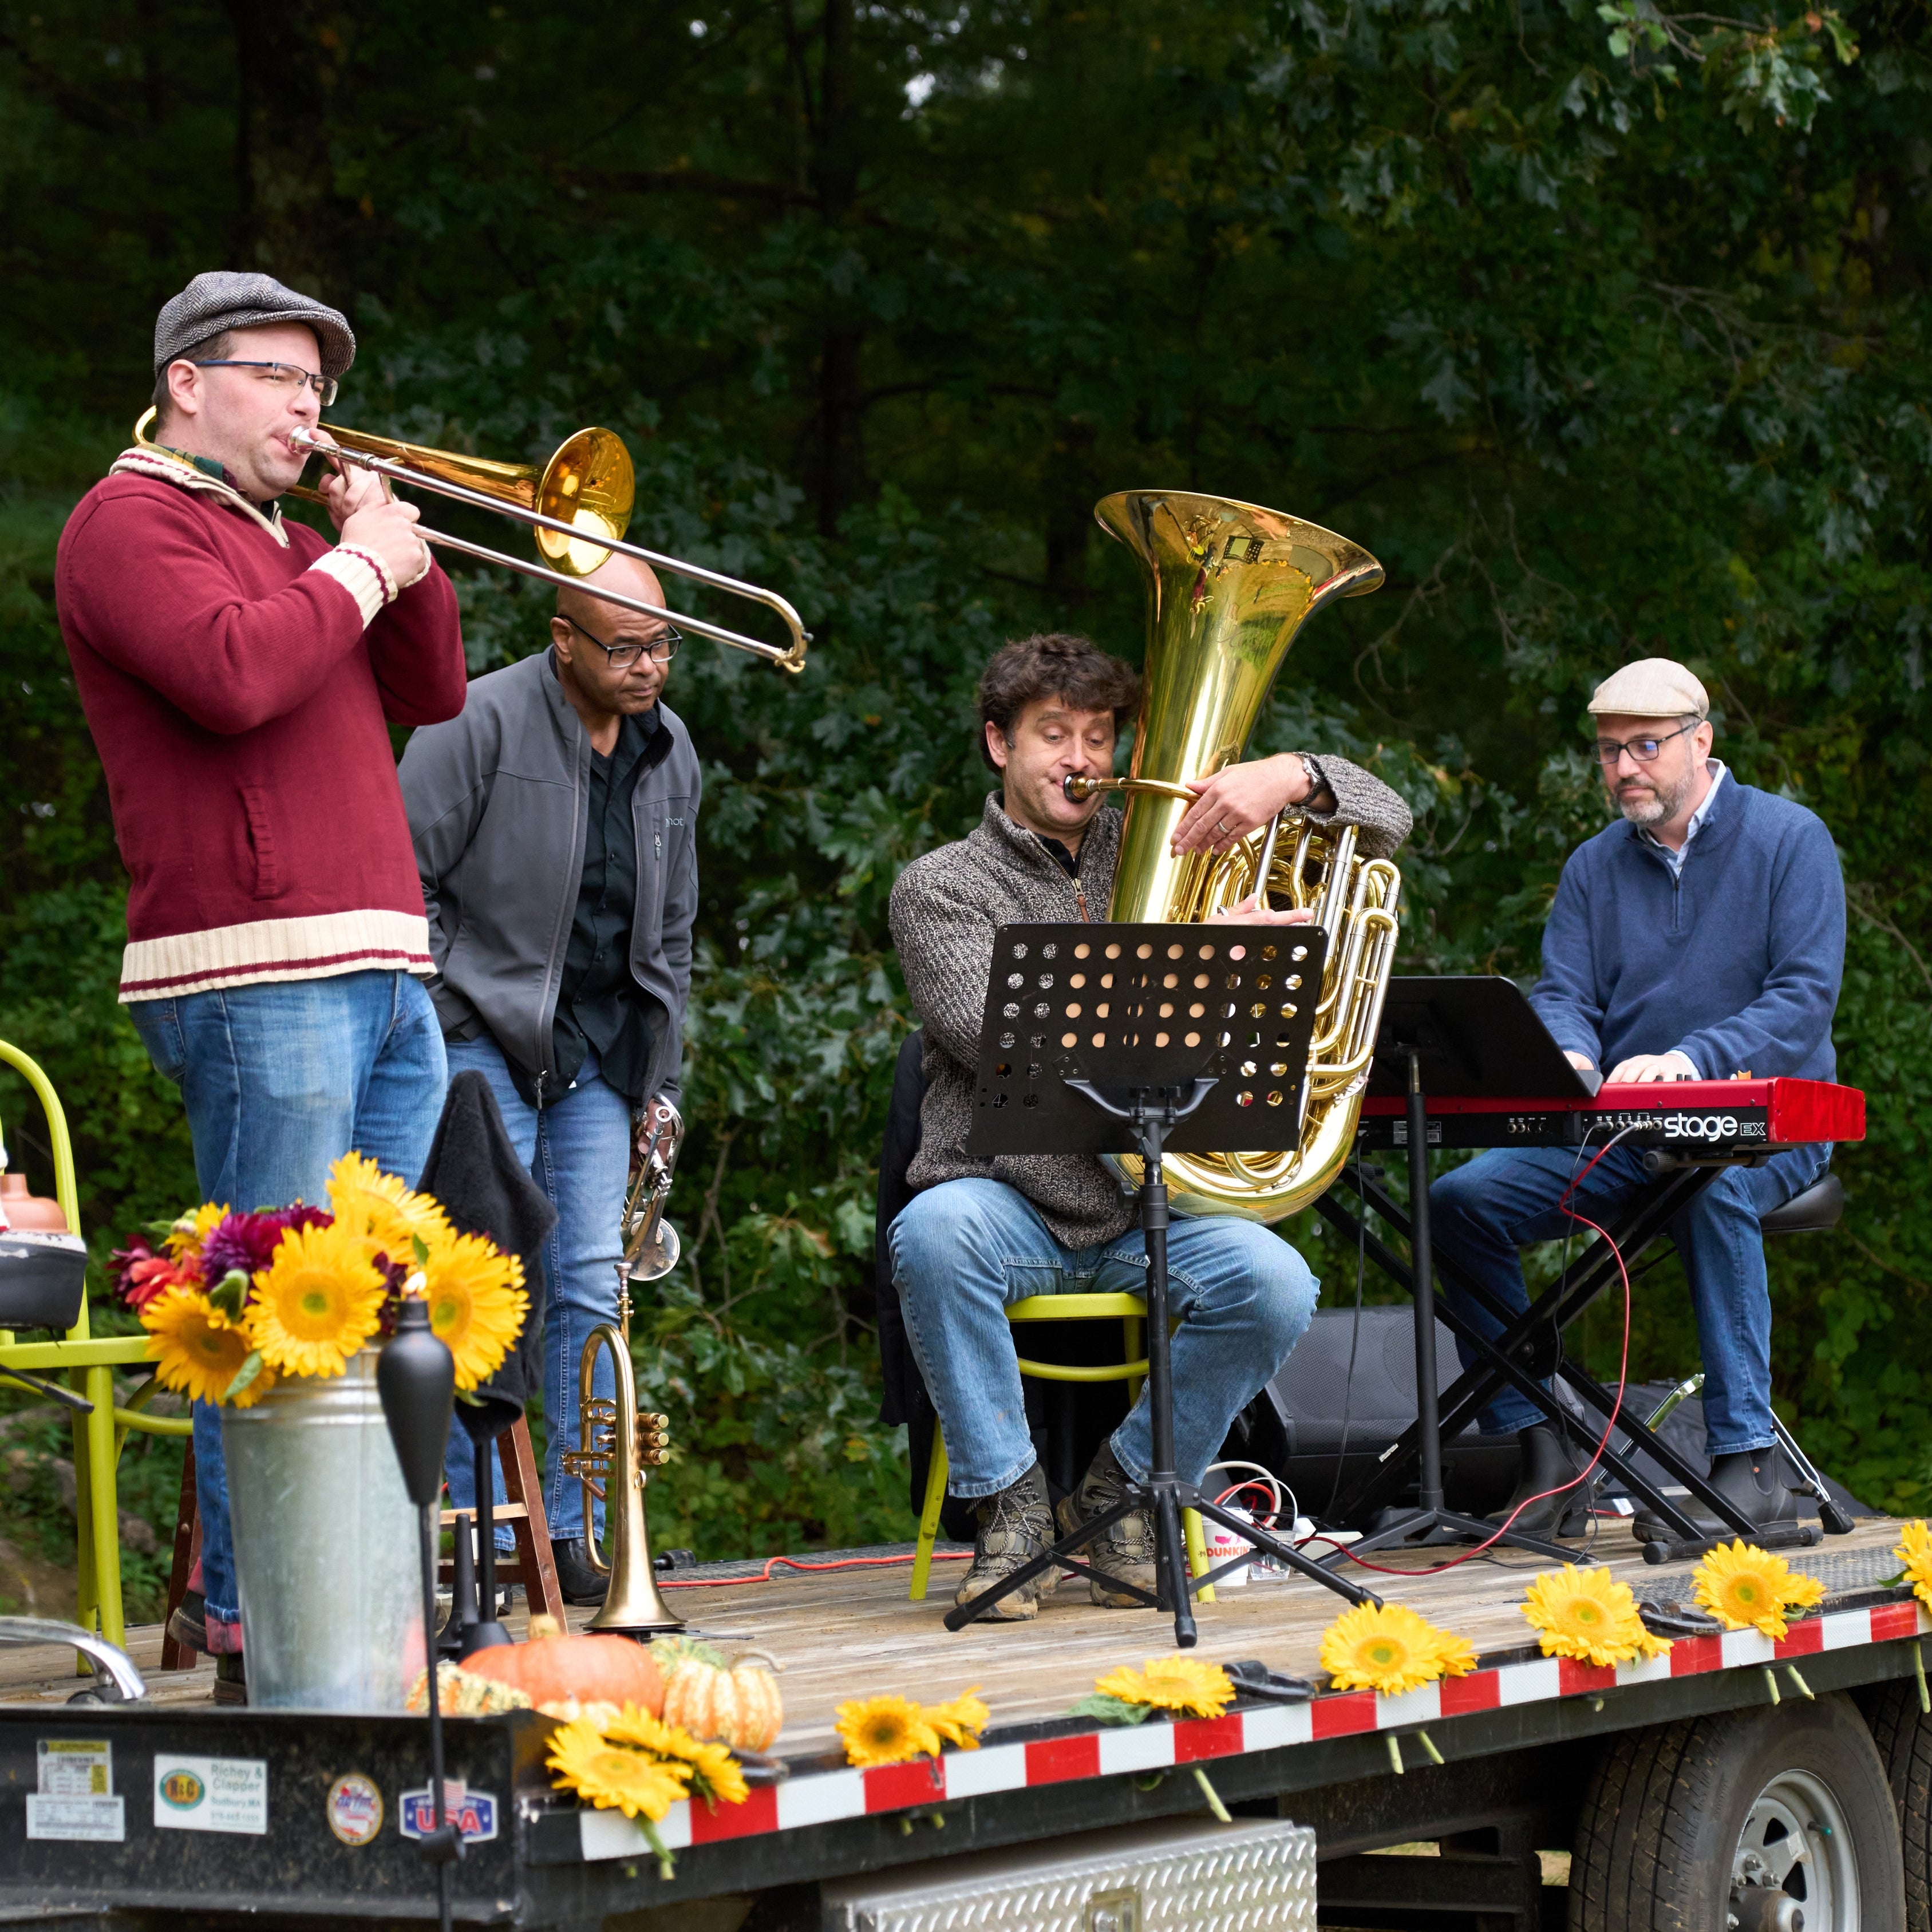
[(1705, 1119)]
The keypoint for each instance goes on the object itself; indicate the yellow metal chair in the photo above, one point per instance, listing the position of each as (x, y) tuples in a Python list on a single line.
[(1130, 1311), (89, 1363)]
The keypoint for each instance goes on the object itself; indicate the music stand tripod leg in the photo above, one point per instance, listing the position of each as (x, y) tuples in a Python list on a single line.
[(1432, 1521)]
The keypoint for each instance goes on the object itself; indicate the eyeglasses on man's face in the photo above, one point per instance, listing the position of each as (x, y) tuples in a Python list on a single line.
[(661, 645), (1643, 750), (282, 376)]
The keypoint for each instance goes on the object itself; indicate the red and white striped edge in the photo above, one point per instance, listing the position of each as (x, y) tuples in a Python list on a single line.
[(823, 1798)]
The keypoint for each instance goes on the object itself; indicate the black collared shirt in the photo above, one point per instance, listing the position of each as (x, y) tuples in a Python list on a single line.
[(599, 1006)]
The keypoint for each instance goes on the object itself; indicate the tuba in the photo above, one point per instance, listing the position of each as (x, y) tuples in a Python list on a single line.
[(1232, 583), (617, 1444)]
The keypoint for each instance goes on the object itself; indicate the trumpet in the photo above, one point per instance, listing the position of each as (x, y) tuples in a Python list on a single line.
[(579, 504), (617, 1444)]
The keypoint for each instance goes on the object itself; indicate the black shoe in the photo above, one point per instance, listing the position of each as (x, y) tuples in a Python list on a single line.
[(1752, 1481), (1124, 1551), (1015, 1526), (231, 1678), (1550, 1463), (189, 1623), (575, 1577)]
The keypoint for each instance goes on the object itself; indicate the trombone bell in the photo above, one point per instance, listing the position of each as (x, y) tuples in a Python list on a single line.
[(589, 483)]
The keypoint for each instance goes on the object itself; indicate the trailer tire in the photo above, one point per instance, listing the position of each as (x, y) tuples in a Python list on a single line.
[(1903, 1735), (1663, 1823)]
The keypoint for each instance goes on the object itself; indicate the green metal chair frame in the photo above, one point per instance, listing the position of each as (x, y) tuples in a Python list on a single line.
[(1130, 1311), (89, 1363)]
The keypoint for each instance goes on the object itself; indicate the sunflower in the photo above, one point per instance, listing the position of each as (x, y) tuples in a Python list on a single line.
[(1914, 1552), (186, 1235), (392, 1217), (1390, 1650), (1588, 1615), (316, 1303), (1183, 1683), (961, 1720), (886, 1730), (715, 1772), (1745, 1588), (476, 1303), (197, 1350), (612, 1778)]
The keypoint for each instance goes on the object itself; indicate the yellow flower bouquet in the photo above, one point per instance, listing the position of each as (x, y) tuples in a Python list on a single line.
[(233, 1303)]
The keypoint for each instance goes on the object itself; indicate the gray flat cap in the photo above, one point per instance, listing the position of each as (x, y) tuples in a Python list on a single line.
[(228, 298)]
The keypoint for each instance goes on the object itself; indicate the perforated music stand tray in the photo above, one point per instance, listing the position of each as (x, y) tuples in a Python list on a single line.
[(1131, 1038)]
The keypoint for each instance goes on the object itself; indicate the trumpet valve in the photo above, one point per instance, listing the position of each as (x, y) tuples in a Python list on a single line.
[(653, 1440)]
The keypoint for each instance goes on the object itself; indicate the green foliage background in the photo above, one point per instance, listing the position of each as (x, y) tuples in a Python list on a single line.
[(1605, 330)]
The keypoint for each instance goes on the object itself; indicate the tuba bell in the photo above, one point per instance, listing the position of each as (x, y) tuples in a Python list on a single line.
[(617, 1444), (1232, 583)]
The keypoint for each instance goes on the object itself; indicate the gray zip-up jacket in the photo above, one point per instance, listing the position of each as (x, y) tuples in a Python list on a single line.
[(946, 908), (499, 809)]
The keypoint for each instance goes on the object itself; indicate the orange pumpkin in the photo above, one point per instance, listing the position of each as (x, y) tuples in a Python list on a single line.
[(739, 1706), (551, 1667)]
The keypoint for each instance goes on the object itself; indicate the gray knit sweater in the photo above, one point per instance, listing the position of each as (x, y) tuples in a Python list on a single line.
[(945, 909)]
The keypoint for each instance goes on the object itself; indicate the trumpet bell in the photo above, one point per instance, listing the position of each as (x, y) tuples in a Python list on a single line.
[(589, 483)]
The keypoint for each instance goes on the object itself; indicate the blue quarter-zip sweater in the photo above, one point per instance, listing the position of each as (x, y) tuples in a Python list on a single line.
[(1735, 963)]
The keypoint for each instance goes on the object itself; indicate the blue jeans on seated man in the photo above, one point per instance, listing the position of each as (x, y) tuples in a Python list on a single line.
[(1480, 1215), (280, 1080), (964, 1250), (578, 1151)]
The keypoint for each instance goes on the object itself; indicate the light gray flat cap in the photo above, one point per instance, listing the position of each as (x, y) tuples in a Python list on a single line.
[(1650, 687), (228, 298)]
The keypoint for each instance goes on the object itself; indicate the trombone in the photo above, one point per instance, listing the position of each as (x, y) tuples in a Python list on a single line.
[(578, 503)]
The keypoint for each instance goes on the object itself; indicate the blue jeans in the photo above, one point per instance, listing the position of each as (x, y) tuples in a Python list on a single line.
[(579, 1152), (1480, 1215), (280, 1081), (963, 1250)]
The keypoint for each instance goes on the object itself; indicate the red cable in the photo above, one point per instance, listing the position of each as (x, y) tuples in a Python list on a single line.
[(1609, 1428), (799, 1563)]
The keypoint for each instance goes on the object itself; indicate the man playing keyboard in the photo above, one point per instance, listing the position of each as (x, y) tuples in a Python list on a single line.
[(1700, 936)]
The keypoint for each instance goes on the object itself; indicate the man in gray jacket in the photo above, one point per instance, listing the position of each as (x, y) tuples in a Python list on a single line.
[(555, 823), (982, 1233)]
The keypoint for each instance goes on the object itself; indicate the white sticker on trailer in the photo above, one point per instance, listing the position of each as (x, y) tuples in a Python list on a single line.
[(93, 1819), (74, 1767), (211, 1794)]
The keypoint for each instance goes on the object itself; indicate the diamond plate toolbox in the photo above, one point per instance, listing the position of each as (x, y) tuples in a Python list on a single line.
[(1195, 1876)]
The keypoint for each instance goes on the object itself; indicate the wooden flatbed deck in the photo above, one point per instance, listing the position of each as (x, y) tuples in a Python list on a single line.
[(851, 1632)]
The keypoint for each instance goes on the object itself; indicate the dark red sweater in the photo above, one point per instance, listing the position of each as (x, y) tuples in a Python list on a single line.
[(239, 676)]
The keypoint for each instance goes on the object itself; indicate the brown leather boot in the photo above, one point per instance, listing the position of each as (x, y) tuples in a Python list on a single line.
[(1015, 1526), (1125, 1550)]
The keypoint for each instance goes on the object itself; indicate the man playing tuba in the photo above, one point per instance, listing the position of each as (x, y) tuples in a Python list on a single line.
[(980, 1234), (556, 830)]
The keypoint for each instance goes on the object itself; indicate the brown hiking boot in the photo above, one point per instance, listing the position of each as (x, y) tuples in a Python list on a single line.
[(1015, 1526), (1126, 1549)]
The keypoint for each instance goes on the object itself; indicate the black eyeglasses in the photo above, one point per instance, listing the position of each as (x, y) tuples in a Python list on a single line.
[(1643, 750), (662, 647), (281, 376)]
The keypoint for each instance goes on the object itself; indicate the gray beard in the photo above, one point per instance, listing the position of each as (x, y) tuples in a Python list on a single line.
[(1648, 808)]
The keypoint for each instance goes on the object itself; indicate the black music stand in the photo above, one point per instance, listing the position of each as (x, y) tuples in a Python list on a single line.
[(1134, 1038), (1449, 1027)]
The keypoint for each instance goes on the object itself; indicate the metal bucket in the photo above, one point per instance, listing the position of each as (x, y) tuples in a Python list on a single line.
[(327, 1548)]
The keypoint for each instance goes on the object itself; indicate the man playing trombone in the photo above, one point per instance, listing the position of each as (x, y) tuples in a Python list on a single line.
[(555, 824), (239, 675)]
